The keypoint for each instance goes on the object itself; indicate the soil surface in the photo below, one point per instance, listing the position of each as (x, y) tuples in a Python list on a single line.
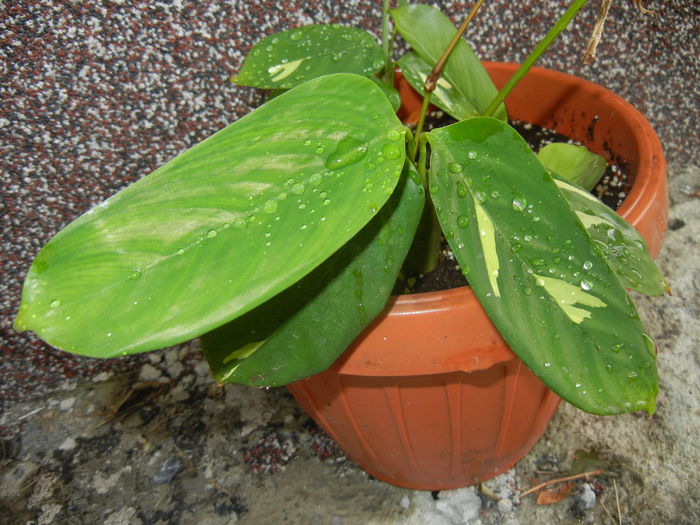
[(97, 94)]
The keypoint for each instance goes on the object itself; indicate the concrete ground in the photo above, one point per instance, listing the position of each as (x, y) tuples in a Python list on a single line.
[(94, 96)]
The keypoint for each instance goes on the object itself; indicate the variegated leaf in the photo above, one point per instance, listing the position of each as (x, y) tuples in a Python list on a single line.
[(289, 58), (618, 241), (538, 274)]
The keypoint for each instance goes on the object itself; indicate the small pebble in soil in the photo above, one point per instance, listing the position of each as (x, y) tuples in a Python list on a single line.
[(504, 505), (168, 470), (585, 501)]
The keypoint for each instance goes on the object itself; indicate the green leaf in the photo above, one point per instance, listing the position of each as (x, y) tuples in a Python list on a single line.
[(390, 92), (445, 96), (535, 270), (429, 32), (222, 227), (287, 59), (573, 163), (305, 328), (623, 248)]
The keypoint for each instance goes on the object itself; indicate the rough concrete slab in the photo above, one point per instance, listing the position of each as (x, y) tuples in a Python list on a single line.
[(94, 96)]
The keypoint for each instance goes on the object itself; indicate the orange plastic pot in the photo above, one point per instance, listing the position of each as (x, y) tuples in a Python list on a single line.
[(430, 396)]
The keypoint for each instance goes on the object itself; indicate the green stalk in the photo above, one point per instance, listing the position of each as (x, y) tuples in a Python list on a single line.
[(385, 30), (558, 27)]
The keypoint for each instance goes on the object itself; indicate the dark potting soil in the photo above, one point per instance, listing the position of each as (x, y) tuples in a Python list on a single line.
[(612, 189)]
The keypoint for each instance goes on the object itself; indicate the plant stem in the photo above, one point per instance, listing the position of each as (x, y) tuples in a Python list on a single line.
[(558, 27), (385, 33), (431, 80)]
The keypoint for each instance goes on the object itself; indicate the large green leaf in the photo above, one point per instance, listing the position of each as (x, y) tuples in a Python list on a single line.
[(429, 32), (305, 328), (621, 245), (445, 96), (222, 227), (287, 59), (573, 163), (535, 270)]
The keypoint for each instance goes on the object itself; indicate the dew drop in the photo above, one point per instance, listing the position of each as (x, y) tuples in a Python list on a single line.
[(472, 155), (586, 285), (547, 365), (303, 227), (55, 303), (239, 223), (212, 233), (632, 376), (455, 167), (320, 149), (617, 348), (461, 190), (651, 347), (587, 265), (463, 221), (326, 202), (393, 135), (307, 142), (480, 197), (316, 179), (391, 151), (270, 206), (298, 189), (519, 203), (135, 274), (349, 151)]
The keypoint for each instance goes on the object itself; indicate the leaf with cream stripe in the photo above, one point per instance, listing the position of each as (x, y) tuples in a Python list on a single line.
[(621, 245), (289, 58), (542, 280)]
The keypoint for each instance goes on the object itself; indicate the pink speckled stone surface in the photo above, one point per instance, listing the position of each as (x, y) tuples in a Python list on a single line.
[(95, 95)]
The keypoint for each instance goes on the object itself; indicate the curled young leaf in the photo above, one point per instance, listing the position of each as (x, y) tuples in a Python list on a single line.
[(573, 163), (429, 32)]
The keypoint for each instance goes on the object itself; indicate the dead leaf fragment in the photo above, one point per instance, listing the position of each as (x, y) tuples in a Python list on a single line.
[(555, 494)]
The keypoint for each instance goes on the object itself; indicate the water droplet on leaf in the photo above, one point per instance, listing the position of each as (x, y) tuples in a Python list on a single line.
[(349, 151), (270, 206)]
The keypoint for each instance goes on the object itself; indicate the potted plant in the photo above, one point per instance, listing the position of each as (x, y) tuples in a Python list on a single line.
[(279, 240)]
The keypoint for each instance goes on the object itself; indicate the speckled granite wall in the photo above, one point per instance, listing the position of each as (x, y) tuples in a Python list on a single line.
[(95, 95)]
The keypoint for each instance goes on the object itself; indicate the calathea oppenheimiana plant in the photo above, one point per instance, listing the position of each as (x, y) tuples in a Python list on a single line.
[(279, 238)]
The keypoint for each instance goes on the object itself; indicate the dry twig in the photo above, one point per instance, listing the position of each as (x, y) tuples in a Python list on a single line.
[(589, 56), (560, 480)]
